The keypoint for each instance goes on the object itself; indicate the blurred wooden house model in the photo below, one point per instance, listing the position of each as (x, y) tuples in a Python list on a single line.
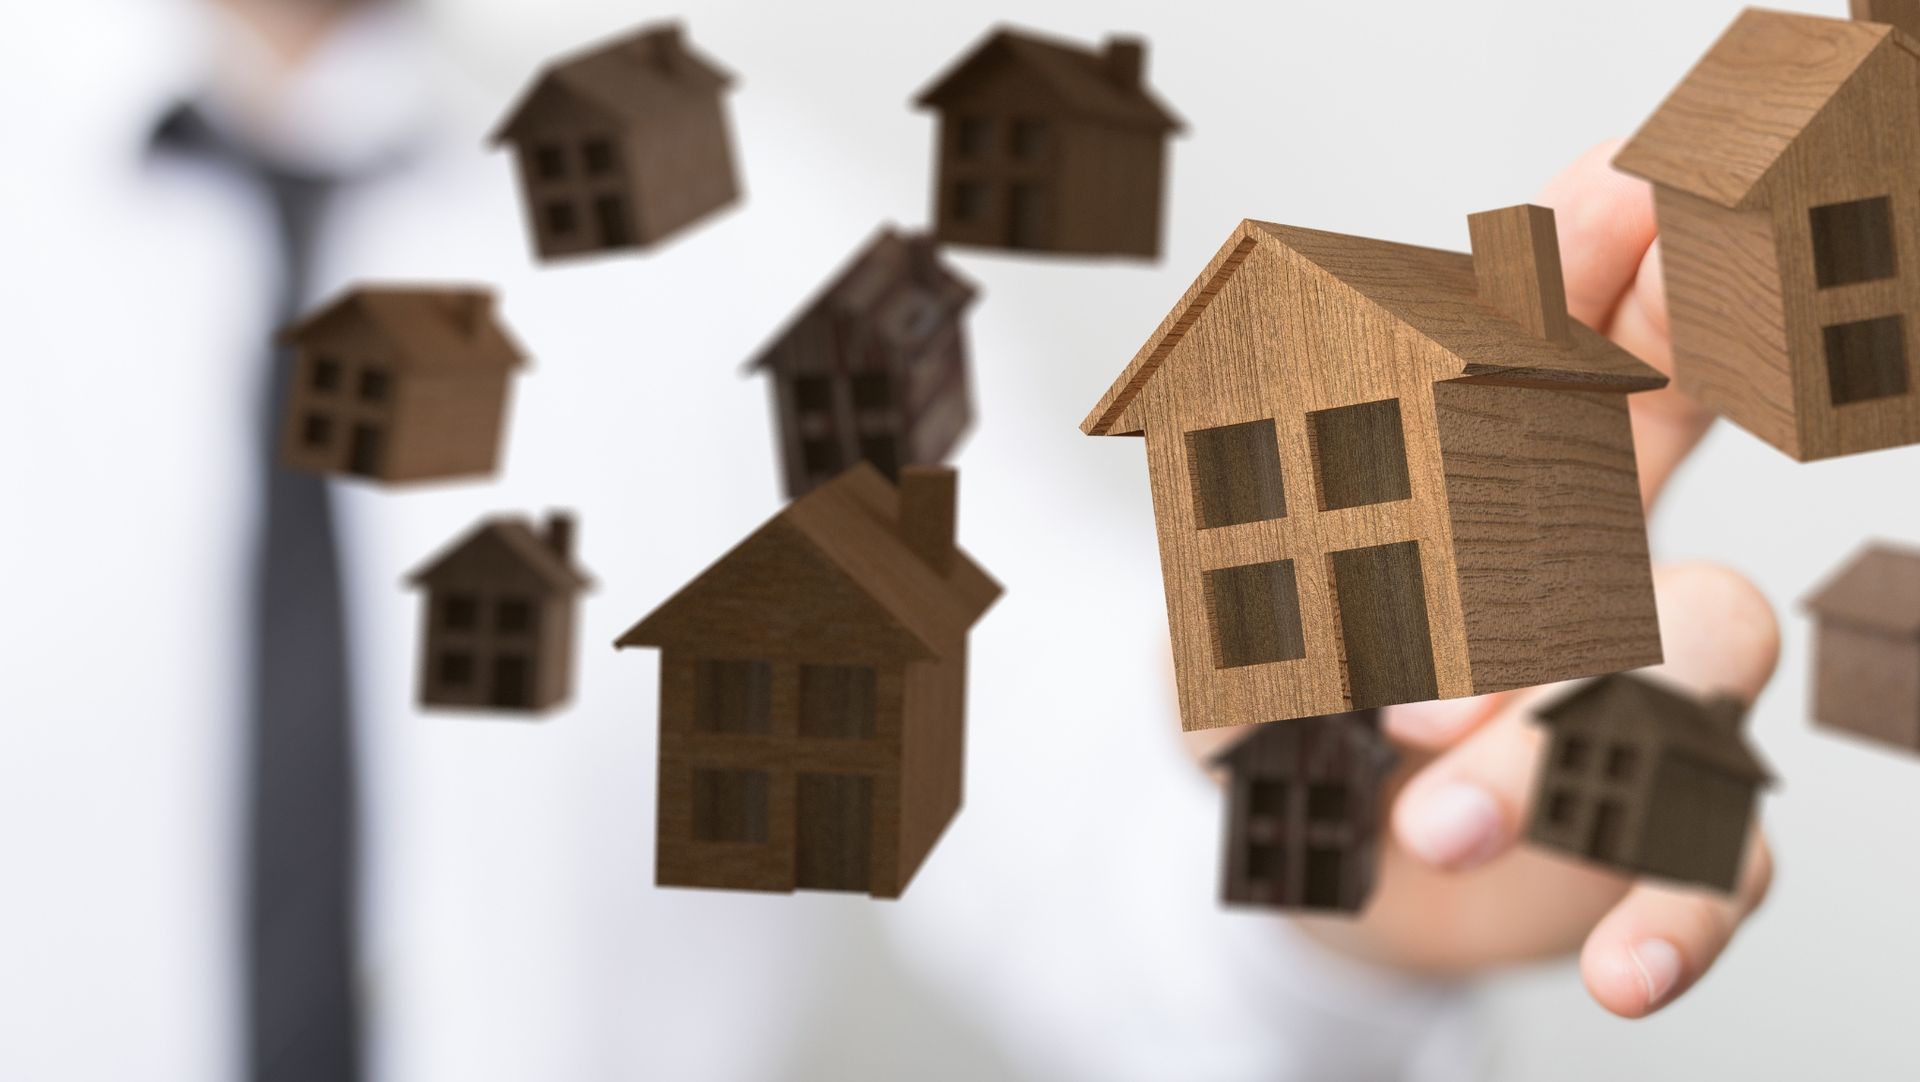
[(1790, 225), (497, 628), (812, 693), (1385, 474), (1047, 146), (1645, 779), (1866, 677), (875, 367), (1304, 810), (399, 384), (622, 144)]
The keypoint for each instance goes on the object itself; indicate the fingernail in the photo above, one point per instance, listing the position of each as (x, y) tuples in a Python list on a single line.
[(1437, 722), (1456, 826), (1659, 966)]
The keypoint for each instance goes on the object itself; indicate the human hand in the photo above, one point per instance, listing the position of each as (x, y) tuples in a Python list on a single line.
[(1455, 893)]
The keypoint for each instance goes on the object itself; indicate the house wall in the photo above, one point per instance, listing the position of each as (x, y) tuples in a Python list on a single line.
[(933, 756), (682, 161), (783, 755), (999, 94), (1867, 682), (1544, 499), (446, 425), (487, 573), (1587, 788), (937, 398), (1723, 282), (355, 345), (1864, 143), (1696, 823), (555, 118), (1110, 183), (1265, 348), (1298, 753)]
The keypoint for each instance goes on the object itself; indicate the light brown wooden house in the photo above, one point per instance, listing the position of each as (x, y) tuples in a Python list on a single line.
[(1386, 474), (497, 625), (1044, 145), (1305, 800), (1866, 671), (812, 693), (874, 368), (1784, 171), (396, 383), (622, 144), (1648, 780)]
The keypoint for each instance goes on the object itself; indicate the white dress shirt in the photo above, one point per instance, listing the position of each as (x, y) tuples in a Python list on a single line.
[(1066, 926)]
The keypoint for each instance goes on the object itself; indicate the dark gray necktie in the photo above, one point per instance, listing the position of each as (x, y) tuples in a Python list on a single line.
[(303, 1020)]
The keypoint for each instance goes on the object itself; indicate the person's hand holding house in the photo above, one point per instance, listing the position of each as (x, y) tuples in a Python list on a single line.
[(1456, 893)]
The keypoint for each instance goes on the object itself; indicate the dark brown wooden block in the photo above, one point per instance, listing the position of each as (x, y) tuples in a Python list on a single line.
[(1304, 808), (825, 653), (1437, 453), (399, 383), (1047, 146), (875, 367), (1642, 778), (621, 145), (1866, 672), (497, 630), (1783, 169)]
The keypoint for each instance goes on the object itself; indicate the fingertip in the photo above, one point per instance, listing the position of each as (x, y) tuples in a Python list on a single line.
[(1718, 630), (1635, 979)]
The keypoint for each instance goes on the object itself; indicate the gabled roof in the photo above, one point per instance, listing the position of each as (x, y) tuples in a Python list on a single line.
[(446, 328), (1076, 74), (626, 76), (1356, 732), (903, 268), (1709, 731), (1432, 292), (1729, 122), (1879, 589), (853, 521), (517, 538)]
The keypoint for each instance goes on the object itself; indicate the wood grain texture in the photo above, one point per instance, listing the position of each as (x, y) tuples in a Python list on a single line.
[(1866, 664), (1287, 323), (1787, 115)]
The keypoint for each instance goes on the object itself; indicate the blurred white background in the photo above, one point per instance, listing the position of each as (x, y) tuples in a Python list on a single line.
[(1391, 119)]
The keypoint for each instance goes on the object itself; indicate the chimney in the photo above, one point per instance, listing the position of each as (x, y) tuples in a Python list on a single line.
[(559, 536), (1126, 62), (927, 513), (665, 45), (1516, 257), (1899, 14)]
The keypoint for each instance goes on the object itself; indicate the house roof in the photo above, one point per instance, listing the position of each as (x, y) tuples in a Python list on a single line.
[(625, 76), (443, 328), (853, 522), (889, 260), (1729, 122), (1078, 75), (1708, 731), (522, 543), (1879, 589), (1356, 732), (1432, 292)]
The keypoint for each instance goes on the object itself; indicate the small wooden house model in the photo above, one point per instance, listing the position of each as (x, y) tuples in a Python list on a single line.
[(622, 144), (1790, 226), (1047, 146), (399, 384), (1385, 474), (1645, 779), (1866, 676), (875, 368), (812, 693), (1305, 803), (497, 626)]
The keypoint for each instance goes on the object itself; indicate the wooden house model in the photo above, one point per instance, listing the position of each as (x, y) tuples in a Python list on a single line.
[(399, 384), (1866, 674), (497, 625), (1385, 474), (622, 144), (1305, 803), (812, 693), (874, 368), (1646, 779), (1784, 182), (1044, 145)]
